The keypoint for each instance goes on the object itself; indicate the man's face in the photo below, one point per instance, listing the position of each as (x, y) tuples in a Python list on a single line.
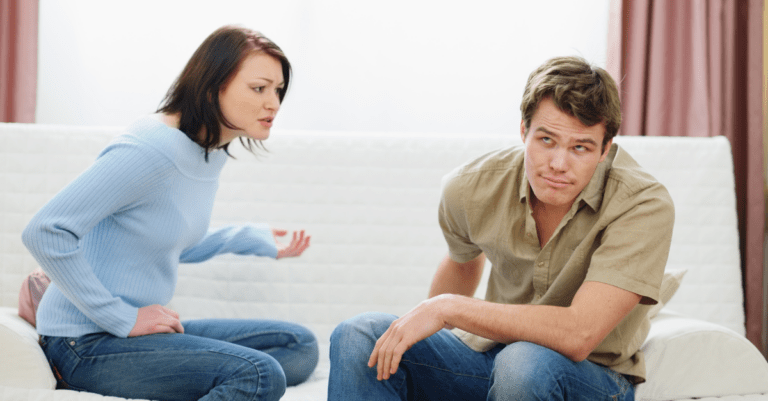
[(561, 154)]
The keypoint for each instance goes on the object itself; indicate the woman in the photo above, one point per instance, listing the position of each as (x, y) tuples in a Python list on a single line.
[(111, 242)]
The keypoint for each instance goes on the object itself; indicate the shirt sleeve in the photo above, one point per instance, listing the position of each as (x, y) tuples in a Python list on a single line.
[(241, 240), (635, 246), (453, 220), (122, 175)]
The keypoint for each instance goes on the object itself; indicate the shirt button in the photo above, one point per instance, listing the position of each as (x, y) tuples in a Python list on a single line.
[(72, 343), (541, 264)]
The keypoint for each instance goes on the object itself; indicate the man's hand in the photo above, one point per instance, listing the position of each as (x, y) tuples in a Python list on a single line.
[(418, 324), (298, 244), (155, 319)]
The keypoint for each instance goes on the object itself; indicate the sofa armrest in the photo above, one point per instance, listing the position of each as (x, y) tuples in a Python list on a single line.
[(688, 358), (22, 361)]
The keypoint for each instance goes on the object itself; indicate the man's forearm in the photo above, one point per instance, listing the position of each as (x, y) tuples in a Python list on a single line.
[(550, 326), (573, 331)]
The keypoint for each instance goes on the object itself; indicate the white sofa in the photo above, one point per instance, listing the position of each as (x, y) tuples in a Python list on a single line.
[(369, 200)]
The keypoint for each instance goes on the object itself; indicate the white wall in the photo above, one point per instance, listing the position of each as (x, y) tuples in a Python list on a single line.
[(396, 65)]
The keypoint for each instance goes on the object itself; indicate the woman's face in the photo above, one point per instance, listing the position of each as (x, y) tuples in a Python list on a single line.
[(251, 99)]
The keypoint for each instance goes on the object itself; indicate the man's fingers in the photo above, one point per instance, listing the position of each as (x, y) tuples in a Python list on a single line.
[(386, 347), (397, 356)]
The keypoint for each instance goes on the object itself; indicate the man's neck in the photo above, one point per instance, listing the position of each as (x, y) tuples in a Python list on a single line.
[(547, 218)]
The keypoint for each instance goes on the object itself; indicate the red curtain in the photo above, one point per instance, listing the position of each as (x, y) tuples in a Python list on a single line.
[(18, 60), (694, 68)]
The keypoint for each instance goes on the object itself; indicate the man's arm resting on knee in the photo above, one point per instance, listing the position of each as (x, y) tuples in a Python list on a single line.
[(574, 331)]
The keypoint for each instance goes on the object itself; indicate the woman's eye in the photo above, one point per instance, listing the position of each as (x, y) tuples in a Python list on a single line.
[(259, 89)]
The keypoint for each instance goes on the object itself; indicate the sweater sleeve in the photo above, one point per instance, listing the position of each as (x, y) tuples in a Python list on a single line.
[(119, 179), (242, 240)]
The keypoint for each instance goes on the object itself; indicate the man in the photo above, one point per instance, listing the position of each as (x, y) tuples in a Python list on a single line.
[(578, 236)]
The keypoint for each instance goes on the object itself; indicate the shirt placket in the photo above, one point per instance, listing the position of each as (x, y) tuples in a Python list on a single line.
[(541, 262), (541, 273)]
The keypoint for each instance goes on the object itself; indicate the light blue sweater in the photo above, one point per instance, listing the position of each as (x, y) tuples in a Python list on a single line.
[(111, 241)]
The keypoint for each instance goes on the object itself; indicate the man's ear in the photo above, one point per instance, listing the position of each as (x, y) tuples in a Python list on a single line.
[(606, 149), (522, 130)]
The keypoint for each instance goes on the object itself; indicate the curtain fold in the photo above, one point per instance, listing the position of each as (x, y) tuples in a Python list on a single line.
[(18, 60), (694, 68)]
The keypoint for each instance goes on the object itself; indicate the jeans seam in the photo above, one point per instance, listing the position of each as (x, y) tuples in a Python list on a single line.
[(445, 370), (252, 334), (617, 379)]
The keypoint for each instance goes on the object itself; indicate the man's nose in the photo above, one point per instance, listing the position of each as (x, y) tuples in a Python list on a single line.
[(559, 160)]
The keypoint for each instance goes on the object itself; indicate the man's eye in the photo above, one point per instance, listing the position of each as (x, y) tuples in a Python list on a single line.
[(546, 139)]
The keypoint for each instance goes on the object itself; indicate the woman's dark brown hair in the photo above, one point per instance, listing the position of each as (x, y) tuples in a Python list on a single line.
[(195, 93)]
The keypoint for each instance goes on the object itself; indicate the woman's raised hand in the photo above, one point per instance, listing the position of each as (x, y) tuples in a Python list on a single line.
[(298, 244)]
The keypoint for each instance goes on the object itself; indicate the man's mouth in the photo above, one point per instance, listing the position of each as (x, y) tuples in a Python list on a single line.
[(556, 182)]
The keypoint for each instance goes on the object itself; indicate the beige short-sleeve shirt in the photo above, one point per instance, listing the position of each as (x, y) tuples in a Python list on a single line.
[(617, 232)]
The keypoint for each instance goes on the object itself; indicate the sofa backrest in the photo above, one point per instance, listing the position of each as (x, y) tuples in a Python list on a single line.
[(369, 200)]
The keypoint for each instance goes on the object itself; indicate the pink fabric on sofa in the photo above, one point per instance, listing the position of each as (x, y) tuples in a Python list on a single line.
[(32, 289)]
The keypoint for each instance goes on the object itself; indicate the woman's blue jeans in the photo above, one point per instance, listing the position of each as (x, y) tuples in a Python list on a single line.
[(215, 359), (441, 367)]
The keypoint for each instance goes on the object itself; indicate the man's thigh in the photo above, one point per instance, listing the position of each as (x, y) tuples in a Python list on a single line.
[(442, 367), (526, 371), (439, 367)]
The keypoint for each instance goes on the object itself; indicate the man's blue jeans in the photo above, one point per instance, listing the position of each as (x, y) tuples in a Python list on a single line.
[(222, 359), (442, 368)]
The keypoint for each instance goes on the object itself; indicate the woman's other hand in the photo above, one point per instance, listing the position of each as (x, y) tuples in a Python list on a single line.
[(298, 244), (154, 319)]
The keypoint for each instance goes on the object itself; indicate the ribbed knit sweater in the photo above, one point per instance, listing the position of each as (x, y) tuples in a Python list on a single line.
[(111, 241)]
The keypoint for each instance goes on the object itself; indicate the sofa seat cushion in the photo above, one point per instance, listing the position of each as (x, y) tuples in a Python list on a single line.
[(690, 358)]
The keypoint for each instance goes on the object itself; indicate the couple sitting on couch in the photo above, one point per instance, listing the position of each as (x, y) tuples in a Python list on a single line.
[(568, 221)]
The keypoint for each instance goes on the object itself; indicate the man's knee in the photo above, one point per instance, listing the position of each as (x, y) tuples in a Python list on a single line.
[(361, 330), (355, 338), (526, 371)]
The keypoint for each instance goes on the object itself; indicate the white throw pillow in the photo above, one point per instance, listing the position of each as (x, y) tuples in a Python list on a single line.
[(669, 285), (22, 361), (690, 358)]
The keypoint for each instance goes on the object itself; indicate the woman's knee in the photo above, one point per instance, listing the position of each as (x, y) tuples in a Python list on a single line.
[(260, 377), (306, 355)]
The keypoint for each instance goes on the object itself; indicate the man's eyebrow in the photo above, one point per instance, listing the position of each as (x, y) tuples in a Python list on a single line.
[(546, 131), (588, 141)]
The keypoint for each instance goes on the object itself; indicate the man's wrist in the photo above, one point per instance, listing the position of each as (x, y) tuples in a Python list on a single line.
[(447, 306)]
